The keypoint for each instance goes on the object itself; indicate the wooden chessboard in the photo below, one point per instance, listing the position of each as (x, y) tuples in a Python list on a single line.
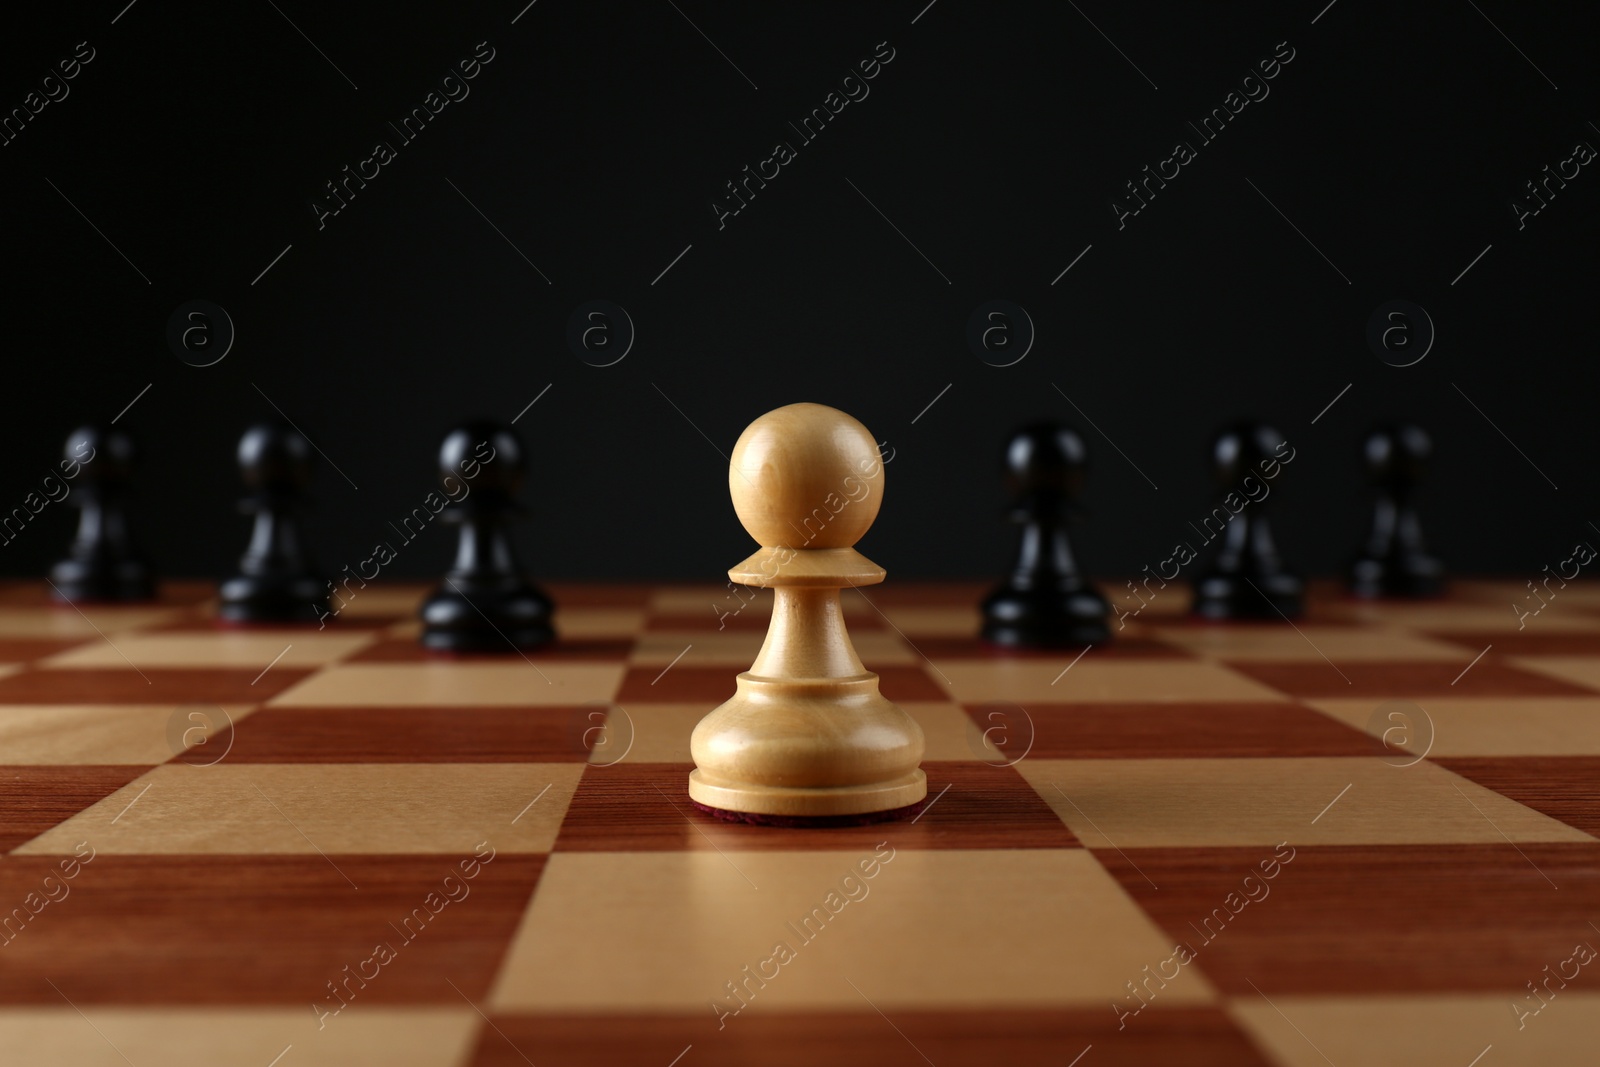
[(296, 847)]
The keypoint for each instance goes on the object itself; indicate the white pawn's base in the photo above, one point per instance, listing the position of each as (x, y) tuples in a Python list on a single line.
[(808, 802)]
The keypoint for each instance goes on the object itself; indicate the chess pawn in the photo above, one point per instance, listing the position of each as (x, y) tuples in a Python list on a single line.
[(1045, 602), (102, 564), (1395, 562), (807, 734), (276, 581), (1248, 579), (486, 603)]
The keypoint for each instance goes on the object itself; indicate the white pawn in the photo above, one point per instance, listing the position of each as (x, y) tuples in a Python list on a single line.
[(807, 734)]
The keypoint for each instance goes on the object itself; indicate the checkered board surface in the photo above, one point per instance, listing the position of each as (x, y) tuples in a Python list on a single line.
[(389, 858)]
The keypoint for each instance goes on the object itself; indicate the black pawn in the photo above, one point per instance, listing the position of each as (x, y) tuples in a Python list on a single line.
[(102, 563), (485, 604), (1044, 602), (1394, 562), (1248, 579), (276, 581)]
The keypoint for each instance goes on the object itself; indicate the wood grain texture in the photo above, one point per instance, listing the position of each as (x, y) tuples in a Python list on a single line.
[(1375, 950), (1314, 677), (1404, 920), (1562, 787), (413, 735), (169, 685), (35, 798), (407, 650), (1191, 730), (1194, 1037), (644, 807), (261, 930)]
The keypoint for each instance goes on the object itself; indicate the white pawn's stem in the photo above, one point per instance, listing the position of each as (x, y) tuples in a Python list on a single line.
[(807, 638)]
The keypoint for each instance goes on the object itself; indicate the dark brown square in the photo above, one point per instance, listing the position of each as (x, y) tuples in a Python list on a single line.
[(24, 649), (197, 623), (1488, 678), (1168, 731), (679, 685), (35, 798), (124, 685), (645, 807), (413, 735), (409, 650), (1563, 787), (1194, 1037), (1531, 641), (1367, 919), (261, 929), (897, 594), (940, 649)]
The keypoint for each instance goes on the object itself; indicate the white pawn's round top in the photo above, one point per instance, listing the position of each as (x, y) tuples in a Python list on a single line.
[(806, 476)]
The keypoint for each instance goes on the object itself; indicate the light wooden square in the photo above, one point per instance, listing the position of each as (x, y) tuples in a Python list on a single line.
[(239, 649), (1051, 681), (1014, 929), (107, 733), (89, 621), (511, 683), (644, 733), (325, 808), (1446, 617), (929, 620), (378, 600), (1316, 801), (1337, 643), (1485, 726), (587, 623), (1579, 670), (1408, 1031)]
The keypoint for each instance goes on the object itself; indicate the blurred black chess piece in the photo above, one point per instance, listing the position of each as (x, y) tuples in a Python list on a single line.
[(102, 564), (486, 603), (1248, 579), (276, 581), (1395, 561), (1045, 602)]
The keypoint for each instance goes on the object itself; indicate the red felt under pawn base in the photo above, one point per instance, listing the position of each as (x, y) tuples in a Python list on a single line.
[(802, 822)]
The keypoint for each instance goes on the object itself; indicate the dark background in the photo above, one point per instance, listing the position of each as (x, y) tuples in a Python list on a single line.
[(995, 140)]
